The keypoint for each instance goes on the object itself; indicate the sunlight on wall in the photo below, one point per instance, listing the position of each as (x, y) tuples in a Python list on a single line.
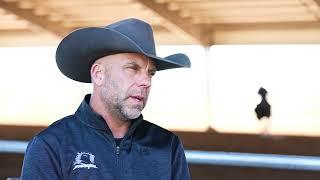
[(34, 92), (178, 96), (289, 73)]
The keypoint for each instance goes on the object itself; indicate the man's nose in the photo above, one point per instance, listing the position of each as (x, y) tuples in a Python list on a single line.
[(145, 80)]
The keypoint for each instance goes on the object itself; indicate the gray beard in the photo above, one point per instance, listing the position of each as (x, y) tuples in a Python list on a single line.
[(122, 112), (133, 114), (116, 104), (128, 113)]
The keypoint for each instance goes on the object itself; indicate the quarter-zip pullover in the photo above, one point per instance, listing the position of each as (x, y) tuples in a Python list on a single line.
[(82, 147)]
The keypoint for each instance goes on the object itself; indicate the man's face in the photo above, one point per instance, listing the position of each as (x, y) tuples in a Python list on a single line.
[(126, 85)]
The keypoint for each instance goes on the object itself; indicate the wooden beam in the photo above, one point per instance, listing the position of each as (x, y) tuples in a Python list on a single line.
[(100, 21), (317, 2), (14, 24), (269, 26), (235, 4), (107, 8), (241, 12), (166, 39), (267, 36), (167, 1), (313, 6), (175, 23), (26, 38), (254, 19), (40, 22), (77, 3), (299, 32)]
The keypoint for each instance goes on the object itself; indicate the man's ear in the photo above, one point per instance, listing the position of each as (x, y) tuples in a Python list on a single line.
[(97, 74)]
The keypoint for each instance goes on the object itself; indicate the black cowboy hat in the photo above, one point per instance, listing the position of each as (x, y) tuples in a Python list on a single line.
[(78, 50)]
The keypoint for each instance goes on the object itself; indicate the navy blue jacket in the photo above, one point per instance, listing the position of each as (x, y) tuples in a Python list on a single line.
[(81, 146)]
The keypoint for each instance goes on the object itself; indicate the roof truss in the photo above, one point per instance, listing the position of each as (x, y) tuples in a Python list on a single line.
[(178, 24), (37, 22)]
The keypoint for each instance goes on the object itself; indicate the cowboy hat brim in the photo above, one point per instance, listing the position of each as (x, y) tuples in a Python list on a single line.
[(78, 51)]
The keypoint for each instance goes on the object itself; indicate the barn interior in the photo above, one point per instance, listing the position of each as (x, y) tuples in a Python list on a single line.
[(204, 122)]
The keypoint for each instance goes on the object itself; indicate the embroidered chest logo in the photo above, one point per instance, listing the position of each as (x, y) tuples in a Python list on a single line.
[(84, 160)]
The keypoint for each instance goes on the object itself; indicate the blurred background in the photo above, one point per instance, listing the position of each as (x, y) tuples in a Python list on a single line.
[(236, 47)]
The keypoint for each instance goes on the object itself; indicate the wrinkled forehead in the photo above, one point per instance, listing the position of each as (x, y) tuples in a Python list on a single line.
[(141, 59), (122, 58)]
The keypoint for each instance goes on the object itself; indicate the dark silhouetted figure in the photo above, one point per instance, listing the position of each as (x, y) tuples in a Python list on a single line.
[(263, 109)]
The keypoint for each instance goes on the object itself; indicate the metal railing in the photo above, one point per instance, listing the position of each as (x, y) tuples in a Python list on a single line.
[(309, 163), (12, 146)]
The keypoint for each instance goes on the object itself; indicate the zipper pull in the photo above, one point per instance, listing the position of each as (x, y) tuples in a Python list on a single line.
[(117, 150)]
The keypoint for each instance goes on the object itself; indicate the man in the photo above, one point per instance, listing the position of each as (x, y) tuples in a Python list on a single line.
[(107, 137)]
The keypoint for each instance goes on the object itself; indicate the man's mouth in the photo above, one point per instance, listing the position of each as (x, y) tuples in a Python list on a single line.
[(138, 98)]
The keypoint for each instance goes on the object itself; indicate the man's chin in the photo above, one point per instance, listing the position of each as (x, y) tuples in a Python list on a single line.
[(132, 117), (132, 114)]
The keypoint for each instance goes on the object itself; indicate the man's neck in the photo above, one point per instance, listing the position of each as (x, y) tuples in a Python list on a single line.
[(118, 127)]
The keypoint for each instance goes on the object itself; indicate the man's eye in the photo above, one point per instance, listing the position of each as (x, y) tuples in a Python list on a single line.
[(152, 73), (135, 68)]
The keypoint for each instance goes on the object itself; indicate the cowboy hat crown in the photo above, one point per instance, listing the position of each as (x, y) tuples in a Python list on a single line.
[(78, 50)]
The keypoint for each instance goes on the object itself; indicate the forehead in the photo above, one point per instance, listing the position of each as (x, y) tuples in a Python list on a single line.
[(123, 58)]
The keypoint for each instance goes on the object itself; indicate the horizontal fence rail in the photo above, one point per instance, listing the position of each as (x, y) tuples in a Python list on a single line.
[(11, 146), (309, 163)]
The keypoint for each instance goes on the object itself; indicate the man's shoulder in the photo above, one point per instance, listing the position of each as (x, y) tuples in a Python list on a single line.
[(156, 129), (57, 129)]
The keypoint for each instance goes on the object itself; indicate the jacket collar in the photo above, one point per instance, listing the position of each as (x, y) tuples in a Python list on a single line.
[(90, 118)]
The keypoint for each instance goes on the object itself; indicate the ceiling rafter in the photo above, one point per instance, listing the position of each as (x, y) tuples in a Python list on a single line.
[(312, 6), (174, 22), (317, 2), (269, 26), (39, 22)]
